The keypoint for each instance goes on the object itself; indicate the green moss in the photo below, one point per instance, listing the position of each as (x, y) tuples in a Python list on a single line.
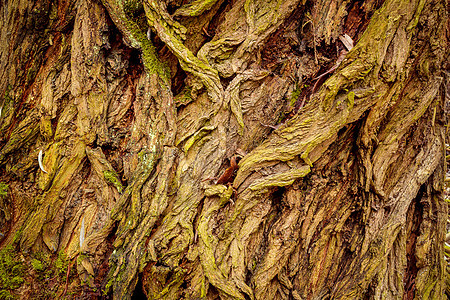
[(107, 287), (204, 131), (80, 258), (133, 8), (152, 62), (351, 99), (17, 235), (3, 189), (112, 279), (62, 263), (113, 177), (130, 13), (11, 272), (37, 265), (46, 268), (7, 97), (41, 264), (16, 281), (173, 34), (294, 96), (150, 59), (7, 295)]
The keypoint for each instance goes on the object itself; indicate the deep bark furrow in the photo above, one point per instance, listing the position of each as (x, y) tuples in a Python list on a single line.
[(223, 149)]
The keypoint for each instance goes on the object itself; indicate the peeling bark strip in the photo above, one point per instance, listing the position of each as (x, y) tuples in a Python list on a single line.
[(135, 106)]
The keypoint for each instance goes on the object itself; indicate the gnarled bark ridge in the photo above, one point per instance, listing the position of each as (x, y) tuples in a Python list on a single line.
[(137, 107)]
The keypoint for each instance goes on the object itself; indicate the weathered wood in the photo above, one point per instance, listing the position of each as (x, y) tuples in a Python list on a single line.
[(133, 105)]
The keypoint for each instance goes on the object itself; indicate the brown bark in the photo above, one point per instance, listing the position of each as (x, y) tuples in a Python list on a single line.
[(139, 110)]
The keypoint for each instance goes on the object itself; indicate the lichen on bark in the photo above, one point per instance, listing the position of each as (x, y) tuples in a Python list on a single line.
[(137, 108)]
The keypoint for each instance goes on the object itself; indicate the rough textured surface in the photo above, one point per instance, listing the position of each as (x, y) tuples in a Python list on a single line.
[(139, 107)]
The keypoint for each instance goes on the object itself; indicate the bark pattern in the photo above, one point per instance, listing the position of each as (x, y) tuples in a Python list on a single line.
[(139, 106)]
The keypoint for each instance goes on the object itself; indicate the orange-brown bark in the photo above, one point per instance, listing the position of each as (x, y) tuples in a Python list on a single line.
[(130, 105)]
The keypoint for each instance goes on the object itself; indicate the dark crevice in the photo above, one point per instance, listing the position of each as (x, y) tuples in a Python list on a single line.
[(271, 218), (178, 80), (415, 212), (138, 293), (219, 17)]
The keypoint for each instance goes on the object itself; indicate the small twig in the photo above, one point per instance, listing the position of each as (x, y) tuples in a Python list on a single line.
[(302, 104), (209, 178), (348, 43), (206, 32), (329, 71), (67, 279)]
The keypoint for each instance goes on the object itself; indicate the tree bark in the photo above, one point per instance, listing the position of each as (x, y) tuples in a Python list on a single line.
[(121, 121)]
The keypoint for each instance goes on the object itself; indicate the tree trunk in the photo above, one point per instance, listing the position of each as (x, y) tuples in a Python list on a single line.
[(202, 149)]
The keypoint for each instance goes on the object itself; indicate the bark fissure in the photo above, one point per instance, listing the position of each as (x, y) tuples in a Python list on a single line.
[(338, 194)]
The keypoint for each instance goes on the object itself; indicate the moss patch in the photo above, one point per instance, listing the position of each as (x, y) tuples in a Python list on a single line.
[(11, 272), (49, 275), (112, 177), (61, 263), (3, 189), (294, 96), (37, 265)]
